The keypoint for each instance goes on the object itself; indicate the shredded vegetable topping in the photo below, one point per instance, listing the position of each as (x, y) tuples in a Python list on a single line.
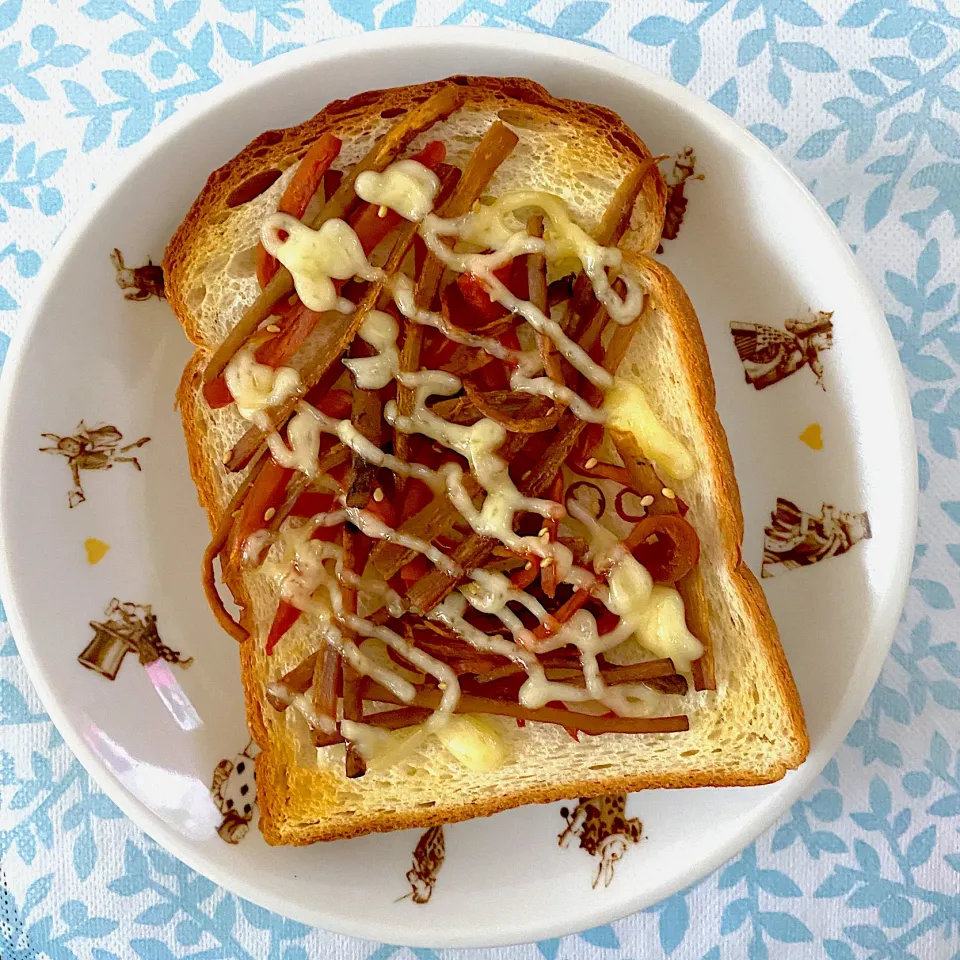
[(420, 424)]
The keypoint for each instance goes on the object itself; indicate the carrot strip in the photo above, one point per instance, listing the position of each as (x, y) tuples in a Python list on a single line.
[(217, 394), (265, 494), (388, 147), (283, 620)]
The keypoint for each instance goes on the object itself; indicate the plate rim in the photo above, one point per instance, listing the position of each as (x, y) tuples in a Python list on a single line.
[(876, 643)]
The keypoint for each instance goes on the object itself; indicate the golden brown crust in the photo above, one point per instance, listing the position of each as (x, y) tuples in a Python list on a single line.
[(278, 150)]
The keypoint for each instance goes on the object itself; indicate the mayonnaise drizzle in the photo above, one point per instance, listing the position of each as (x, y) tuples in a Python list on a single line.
[(316, 258), (406, 187), (483, 265), (256, 386)]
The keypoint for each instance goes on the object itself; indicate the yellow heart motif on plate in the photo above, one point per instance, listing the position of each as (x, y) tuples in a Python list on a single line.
[(812, 436), (96, 549)]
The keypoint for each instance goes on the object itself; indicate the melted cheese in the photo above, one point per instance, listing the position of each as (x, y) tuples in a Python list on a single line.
[(474, 742), (316, 258), (371, 741), (497, 226), (406, 187), (629, 410), (380, 330), (301, 577), (256, 387), (302, 449), (661, 627), (629, 585)]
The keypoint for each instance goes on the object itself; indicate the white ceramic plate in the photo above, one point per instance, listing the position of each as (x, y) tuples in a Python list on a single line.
[(755, 248)]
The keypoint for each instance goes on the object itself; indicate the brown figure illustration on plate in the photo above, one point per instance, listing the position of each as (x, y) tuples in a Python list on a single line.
[(604, 830), (770, 355), (234, 790), (126, 628), (427, 860), (140, 283), (796, 538), (91, 448), (684, 169)]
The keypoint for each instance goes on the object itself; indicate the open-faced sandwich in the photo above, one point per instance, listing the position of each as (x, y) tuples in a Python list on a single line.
[(455, 432)]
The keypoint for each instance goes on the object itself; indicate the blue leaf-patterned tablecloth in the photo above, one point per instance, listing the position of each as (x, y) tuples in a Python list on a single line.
[(862, 100)]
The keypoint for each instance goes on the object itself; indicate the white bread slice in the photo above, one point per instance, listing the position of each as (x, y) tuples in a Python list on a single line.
[(751, 730)]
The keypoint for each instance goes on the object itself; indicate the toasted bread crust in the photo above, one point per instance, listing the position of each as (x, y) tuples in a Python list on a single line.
[(279, 149)]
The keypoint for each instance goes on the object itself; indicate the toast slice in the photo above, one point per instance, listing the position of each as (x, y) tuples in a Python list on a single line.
[(750, 730)]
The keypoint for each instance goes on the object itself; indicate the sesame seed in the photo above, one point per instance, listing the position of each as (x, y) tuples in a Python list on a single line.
[(382, 212), (546, 562), (544, 532), (226, 457), (591, 463), (528, 565), (652, 539), (475, 206), (270, 514), (442, 685), (668, 493), (378, 495), (646, 501), (273, 328)]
